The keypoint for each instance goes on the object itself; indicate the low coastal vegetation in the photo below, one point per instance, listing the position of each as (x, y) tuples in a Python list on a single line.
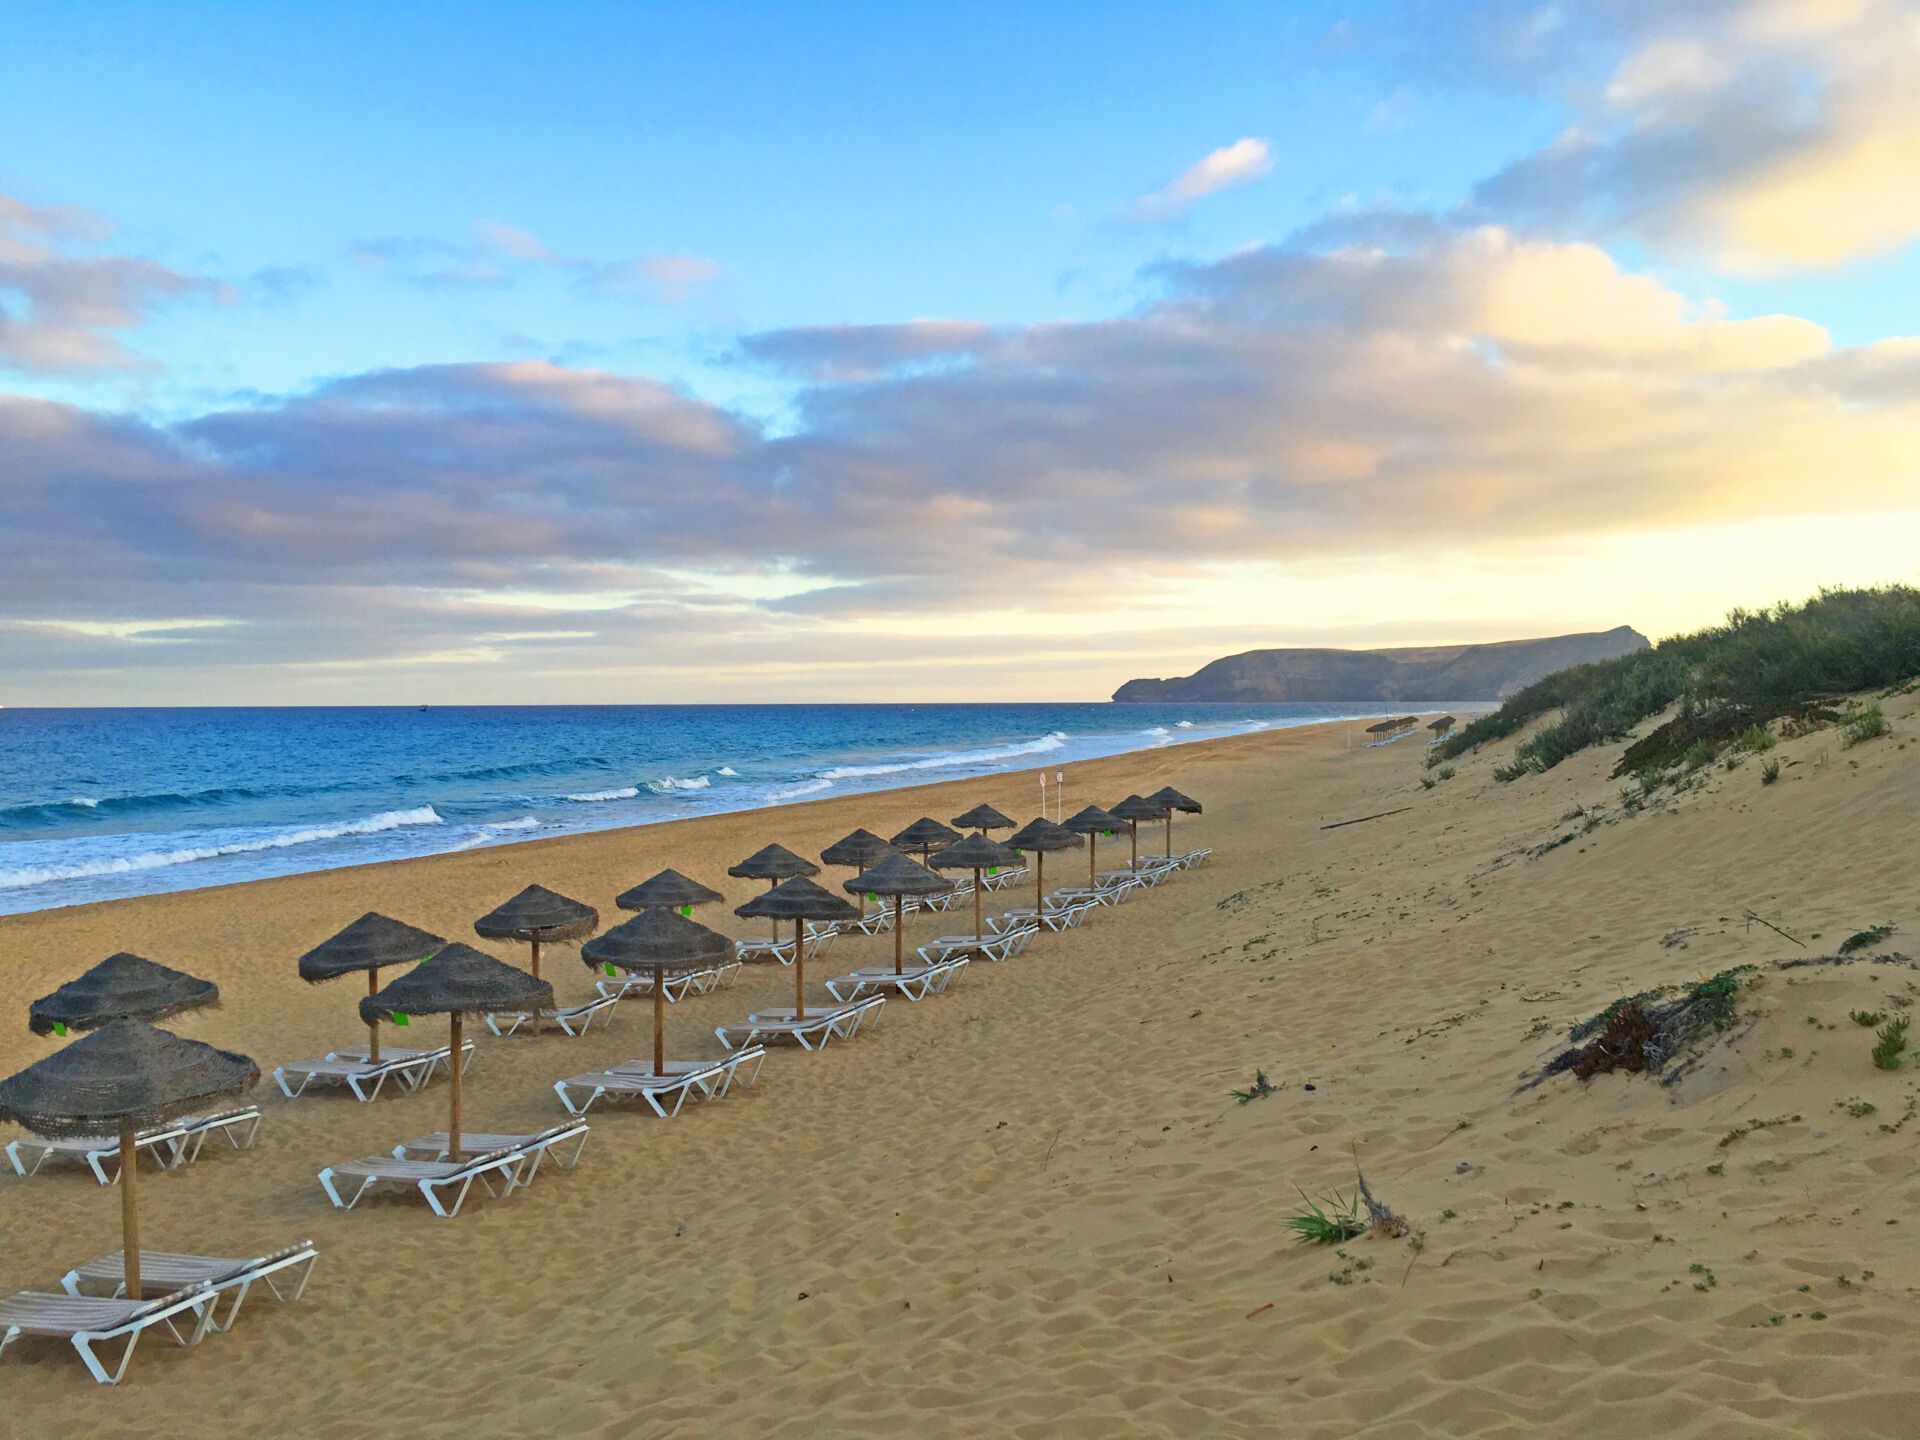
[(1729, 685)]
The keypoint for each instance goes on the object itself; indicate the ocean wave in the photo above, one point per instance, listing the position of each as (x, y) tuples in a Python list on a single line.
[(186, 855), (1183, 724), (728, 771), (811, 787), (1052, 740), (669, 785), (493, 830), (100, 806), (592, 797)]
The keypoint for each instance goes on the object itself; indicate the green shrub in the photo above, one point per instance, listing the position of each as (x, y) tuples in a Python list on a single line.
[(1893, 1039), (1754, 739), (1769, 771), (1866, 723), (1447, 772)]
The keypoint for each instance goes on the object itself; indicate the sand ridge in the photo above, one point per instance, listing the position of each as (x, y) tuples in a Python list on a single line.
[(1030, 1207)]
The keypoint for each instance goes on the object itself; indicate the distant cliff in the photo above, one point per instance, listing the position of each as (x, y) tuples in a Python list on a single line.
[(1438, 672)]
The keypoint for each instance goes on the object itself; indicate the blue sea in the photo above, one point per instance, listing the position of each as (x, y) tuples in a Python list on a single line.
[(100, 804)]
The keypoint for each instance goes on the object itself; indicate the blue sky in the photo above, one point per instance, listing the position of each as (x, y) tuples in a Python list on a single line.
[(1250, 301)]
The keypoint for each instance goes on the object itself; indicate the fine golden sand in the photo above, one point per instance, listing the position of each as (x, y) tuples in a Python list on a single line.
[(1029, 1207)]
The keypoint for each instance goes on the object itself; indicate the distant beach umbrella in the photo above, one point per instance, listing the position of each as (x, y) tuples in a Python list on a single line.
[(773, 864), (1092, 822), (538, 916), (925, 835), (122, 1078), (456, 981), (798, 900), (372, 943), (1042, 836), (984, 818), (120, 987), (661, 943), (1442, 725), (857, 851), (1133, 810), (1170, 800), (975, 853), (669, 890), (894, 874)]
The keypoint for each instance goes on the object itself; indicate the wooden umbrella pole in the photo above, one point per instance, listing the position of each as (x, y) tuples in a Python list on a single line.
[(129, 1215), (979, 931), (539, 1016), (799, 970), (659, 1022), (1039, 879), (1133, 834), (899, 927), (373, 1026), (1093, 856), (1169, 832), (774, 920), (453, 1120)]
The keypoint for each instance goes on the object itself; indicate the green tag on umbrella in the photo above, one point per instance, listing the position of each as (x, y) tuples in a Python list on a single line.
[(610, 967), (872, 896), (400, 1017), (993, 869), (686, 910), (59, 1027)]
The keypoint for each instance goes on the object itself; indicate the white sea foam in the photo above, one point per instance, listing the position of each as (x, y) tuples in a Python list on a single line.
[(953, 758), (1183, 724), (728, 771), (87, 800), (186, 855), (811, 787), (669, 784), (593, 797)]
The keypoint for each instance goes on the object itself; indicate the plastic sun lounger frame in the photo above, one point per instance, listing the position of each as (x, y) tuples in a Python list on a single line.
[(1003, 945), (429, 1177), (676, 987), (841, 1021), (1055, 917), (365, 1080), (665, 1095), (573, 1020), (440, 1056), (914, 982), (875, 922), (237, 1127), (88, 1321), (747, 951), (536, 1147), (96, 1152), (283, 1272), (1010, 875)]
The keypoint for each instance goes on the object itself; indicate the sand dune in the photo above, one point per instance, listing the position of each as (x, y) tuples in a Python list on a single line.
[(1030, 1207)]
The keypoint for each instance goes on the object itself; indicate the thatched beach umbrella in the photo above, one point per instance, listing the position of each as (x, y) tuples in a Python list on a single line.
[(860, 850), (662, 943), (1442, 725), (1092, 822), (1041, 836), (1133, 810), (1170, 800), (372, 943), (984, 818), (120, 987), (538, 916), (798, 900), (773, 864), (456, 981), (122, 1078), (669, 890), (894, 874), (975, 853), (925, 835)]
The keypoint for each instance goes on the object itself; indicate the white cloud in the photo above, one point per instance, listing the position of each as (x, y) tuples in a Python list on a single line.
[(1240, 163)]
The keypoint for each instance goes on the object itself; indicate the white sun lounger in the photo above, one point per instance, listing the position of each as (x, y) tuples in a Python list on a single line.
[(284, 1273), (1185, 861), (429, 1177), (365, 1080), (676, 987), (87, 1321), (437, 1058), (811, 1033), (999, 880), (914, 982), (749, 951), (1055, 917), (572, 1019), (664, 1094), (237, 1127), (553, 1141), (875, 922), (99, 1153), (1001, 946)]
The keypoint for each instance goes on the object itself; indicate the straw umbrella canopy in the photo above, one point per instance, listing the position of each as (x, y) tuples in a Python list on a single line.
[(774, 863), (372, 943), (984, 818), (975, 853), (860, 850), (122, 1077), (798, 900), (1041, 836), (538, 916), (456, 981), (1092, 822), (1133, 810), (669, 890), (663, 943), (925, 835), (120, 987), (1170, 800), (894, 874)]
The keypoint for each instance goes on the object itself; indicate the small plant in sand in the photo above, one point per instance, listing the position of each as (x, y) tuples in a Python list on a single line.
[(1769, 772), (1865, 939), (1892, 1038), (1754, 739), (1445, 772), (1331, 1220), (1867, 1018), (1869, 722), (1261, 1088), (1427, 782)]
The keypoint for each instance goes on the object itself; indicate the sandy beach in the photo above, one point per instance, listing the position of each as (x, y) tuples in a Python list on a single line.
[(1031, 1207)]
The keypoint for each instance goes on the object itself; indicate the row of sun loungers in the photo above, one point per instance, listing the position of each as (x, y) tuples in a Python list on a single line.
[(810, 1032), (173, 1145), (572, 1020), (409, 1069), (675, 987), (664, 1093)]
